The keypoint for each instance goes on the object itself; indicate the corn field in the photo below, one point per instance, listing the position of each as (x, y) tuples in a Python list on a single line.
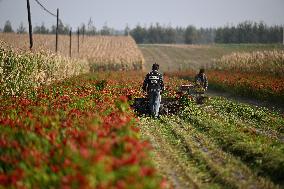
[(21, 71), (266, 62), (101, 52)]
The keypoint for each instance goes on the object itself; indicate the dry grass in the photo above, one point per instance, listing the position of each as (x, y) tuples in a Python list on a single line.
[(22, 71), (178, 57), (102, 52), (266, 62)]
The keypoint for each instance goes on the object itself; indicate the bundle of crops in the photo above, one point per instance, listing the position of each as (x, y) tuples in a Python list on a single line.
[(21, 71), (268, 62)]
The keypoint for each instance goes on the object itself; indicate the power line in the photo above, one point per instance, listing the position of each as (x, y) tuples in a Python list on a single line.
[(45, 9)]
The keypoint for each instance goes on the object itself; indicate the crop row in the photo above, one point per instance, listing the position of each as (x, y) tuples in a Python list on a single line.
[(228, 168), (197, 161), (261, 151), (185, 171), (262, 87), (259, 120), (253, 85)]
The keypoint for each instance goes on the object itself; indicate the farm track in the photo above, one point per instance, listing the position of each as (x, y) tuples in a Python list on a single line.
[(179, 166), (174, 170), (233, 150), (180, 149)]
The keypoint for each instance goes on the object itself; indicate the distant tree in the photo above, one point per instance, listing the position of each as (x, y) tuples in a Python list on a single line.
[(8, 27), (155, 34), (249, 32), (41, 29), (21, 29), (126, 30), (106, 30), (139, 34), (44, 29), (179, 35), (206, 35), (82, 29), (190, 35), (62, 29), (169, 35), (262, 38), (91, 30)]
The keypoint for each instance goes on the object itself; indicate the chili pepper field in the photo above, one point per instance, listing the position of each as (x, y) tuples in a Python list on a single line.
[(62, 126), (82, 133)]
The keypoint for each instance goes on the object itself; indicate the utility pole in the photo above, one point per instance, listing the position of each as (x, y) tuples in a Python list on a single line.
[(70, 48), (30, 24), (78, 33), (283, 33), (83, 33), (56, 42)]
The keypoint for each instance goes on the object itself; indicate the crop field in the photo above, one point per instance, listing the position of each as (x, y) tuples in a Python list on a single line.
[(101, 52), (21, 72), (254, 71), (62, 126), (184, 57), (269, 62), (81, 132)]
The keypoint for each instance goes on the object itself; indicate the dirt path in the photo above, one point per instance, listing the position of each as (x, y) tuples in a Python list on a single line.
[(169, 164), (189, 159)]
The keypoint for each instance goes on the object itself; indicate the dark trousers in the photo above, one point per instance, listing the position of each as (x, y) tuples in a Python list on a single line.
[(154, 102)]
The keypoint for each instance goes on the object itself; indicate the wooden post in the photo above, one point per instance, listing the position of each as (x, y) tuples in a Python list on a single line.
[(283, 34), (70, 47), (78, 33), (83, 33), (30, 24), (56, 42)]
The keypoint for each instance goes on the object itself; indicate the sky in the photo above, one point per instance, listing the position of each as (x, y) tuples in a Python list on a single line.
[(119, 13)]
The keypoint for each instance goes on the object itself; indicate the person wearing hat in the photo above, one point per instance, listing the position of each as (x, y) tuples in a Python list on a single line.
[(153, 84)]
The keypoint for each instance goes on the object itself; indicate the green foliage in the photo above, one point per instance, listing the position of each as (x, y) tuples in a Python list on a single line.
[(249, 32), (8, 27), (100, 85), (244, 32), (190, 35), (249, 133)]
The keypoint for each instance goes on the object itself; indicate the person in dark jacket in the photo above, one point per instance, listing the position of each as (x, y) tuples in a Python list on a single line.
[(201, 79), (154, 85)]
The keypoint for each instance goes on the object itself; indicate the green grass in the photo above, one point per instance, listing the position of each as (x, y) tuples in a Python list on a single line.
[(196, 158), (255, 143)]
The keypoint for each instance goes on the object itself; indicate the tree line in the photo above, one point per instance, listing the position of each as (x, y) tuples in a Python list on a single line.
[(245, 32), (63, 29), (249, 32)]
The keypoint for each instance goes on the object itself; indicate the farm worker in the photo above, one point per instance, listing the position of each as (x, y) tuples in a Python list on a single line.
[(154, 85), (201, 79)]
